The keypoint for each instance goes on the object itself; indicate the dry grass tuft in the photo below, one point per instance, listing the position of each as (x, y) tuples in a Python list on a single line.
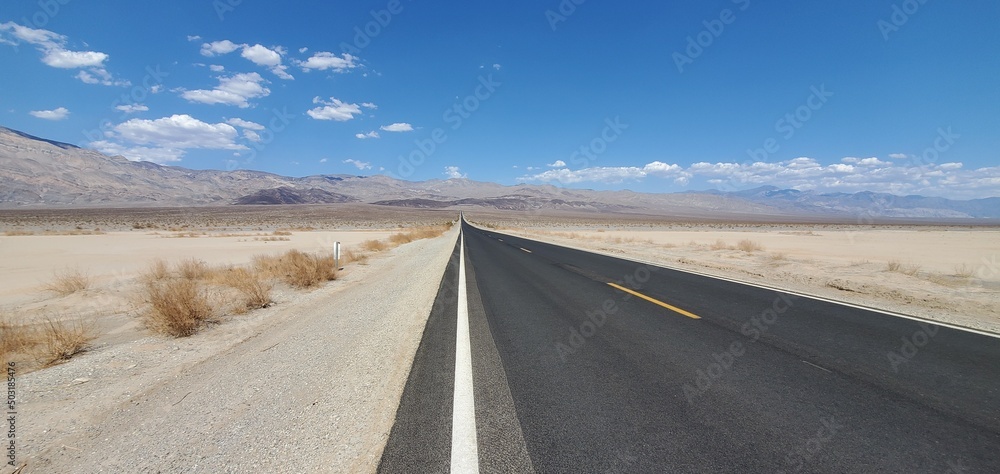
[(964, 271), (47, 344), (59, 341), (298, 269), (749, 246), (719, 245), (193, 269), (68, 282), (374, 245), (350, 256), (897, 267), (256, 290), (178, 306)]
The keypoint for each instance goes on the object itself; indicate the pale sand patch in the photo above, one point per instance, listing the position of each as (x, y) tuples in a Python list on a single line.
[(30, 262), (950, 275)]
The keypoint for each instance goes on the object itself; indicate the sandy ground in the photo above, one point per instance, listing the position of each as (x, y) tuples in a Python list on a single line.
[(308, 385), (29, 262), (944, 274)]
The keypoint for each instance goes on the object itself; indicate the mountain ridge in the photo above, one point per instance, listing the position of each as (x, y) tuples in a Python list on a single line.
[(36, 172)]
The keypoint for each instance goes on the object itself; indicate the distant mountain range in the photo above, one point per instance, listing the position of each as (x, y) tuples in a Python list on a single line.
[(35, 172)]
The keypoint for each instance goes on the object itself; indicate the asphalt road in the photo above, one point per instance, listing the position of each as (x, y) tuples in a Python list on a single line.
[(588, 363)]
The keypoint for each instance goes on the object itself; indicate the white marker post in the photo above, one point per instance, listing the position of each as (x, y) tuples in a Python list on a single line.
[(336, 255)]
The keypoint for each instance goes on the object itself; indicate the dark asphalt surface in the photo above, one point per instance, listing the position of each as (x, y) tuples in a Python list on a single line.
[(573, 375)]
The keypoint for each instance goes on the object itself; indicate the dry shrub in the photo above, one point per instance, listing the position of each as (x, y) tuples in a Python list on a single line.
[(192, 269), (719, 245), (255, 289), (158, 270), (281, 232), (964, 271), (374, 245), (400, 239), (350, 256), (60, 341), (298, 269), (896, 266), (48, 343), (778, 257), (18, 232), (68, 282), (178, 307), (749, 246)]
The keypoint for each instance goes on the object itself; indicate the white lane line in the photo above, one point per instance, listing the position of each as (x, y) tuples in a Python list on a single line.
[(526, 250), (818, 367), (464, 448)]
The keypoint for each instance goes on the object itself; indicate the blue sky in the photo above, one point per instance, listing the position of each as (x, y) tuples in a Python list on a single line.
[(895, 96)]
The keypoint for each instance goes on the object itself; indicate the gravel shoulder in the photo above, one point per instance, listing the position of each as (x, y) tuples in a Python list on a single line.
[(311, 385)]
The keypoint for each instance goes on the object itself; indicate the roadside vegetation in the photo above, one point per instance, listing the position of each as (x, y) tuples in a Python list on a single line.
[(42, 344)]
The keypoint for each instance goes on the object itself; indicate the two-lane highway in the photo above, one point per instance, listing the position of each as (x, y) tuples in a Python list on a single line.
[(588, 363)]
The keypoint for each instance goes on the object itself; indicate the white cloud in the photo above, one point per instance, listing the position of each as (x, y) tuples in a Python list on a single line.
[(216, 48), (60, 113), (139, 153), (369, 105), (303, 50), (323, 160), (132, 108), (452, 172), (232, 90), (361, 165), (271, 58), (217, 68), (898, 156), (252, 136), (557, 164), (238, 122), (398, 127), (194, 38), (166, 139), (850, 175), (365, 136), (55, 54), (335, 109), (322, 61), (497, 67), (178, 131), (261, 55)]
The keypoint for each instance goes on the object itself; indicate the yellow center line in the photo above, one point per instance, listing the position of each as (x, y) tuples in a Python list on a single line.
[(656, 301)]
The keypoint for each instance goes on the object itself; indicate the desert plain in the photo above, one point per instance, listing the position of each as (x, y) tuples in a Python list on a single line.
[(126, 374)]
